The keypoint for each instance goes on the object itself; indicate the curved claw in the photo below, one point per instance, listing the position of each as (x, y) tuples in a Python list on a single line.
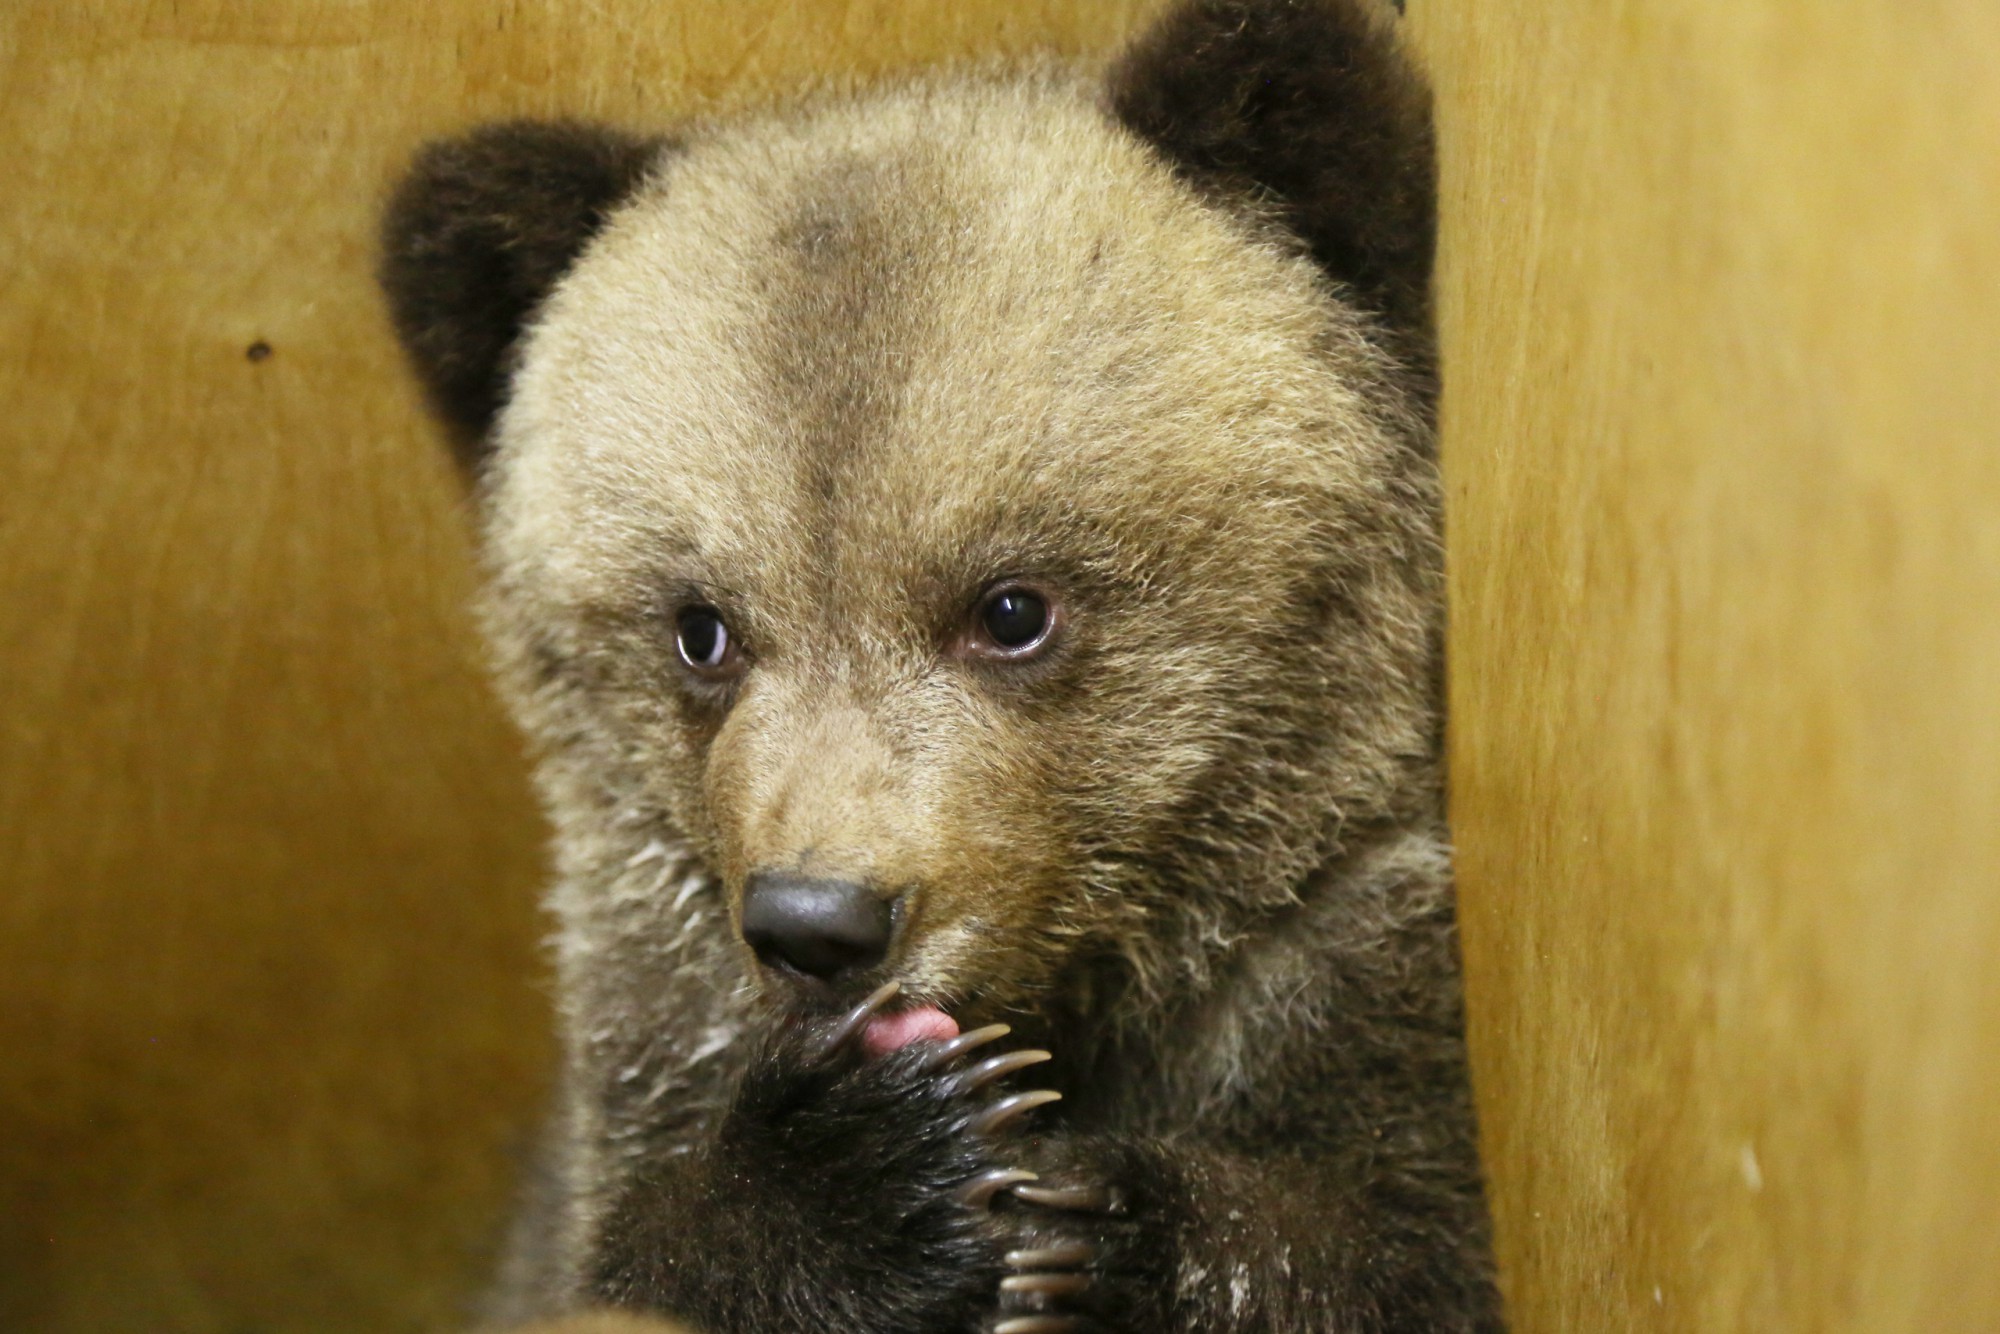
[(979, 1192), (1046, 1285), (1062, 1255), (1011, 1108), (857, 1018), (1080, 1199), (996, 1067), (1038, 1324), (947, 1052)]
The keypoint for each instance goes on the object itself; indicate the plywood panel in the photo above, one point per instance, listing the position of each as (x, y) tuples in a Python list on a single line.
[(268, 999), (1721, 305), (1718, 293)]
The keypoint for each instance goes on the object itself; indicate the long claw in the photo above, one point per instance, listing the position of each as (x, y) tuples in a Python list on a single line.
[(947, 1052), (996, 1067), (1038, 1324), (857, 1018), (1062, 1255), (1082, 1199), (979, 1192), (1010, 1108), (1046, 1285)]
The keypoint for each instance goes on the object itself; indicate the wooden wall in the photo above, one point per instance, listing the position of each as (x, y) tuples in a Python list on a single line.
[(1721, 302)]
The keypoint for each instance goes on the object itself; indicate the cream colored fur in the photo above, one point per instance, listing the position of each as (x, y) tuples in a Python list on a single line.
[(838, 368)]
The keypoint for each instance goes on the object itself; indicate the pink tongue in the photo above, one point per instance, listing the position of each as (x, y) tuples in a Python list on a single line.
[(892, 1032)]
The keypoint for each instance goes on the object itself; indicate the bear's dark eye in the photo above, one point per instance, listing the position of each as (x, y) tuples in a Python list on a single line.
[(704, 641), (1012, 622), (1016, 619)]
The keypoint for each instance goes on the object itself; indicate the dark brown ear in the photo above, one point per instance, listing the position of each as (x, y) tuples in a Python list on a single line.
[(1309, 104), (474, 238)]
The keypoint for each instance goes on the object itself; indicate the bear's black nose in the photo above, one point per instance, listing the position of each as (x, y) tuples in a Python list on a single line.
[(821, 928)]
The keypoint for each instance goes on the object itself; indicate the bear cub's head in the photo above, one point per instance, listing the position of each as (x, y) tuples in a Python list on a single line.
[(987, 526)]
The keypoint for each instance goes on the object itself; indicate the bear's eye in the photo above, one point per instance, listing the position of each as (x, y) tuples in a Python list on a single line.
[(1015, 620), (1012, 622), (704, 641)]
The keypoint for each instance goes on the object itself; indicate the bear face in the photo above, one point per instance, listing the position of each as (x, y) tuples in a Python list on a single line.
[(834, 381)]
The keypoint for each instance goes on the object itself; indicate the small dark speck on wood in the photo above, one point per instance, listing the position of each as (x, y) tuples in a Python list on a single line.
[(258, 351)]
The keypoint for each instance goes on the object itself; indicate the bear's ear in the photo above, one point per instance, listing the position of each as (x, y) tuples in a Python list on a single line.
[(474, 238), (1309, 104)]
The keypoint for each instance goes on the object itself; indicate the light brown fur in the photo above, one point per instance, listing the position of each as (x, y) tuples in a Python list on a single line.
[(916, 342), (1155, 346)]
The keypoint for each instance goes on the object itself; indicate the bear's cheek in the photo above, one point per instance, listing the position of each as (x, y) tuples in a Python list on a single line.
[(1001, 874)]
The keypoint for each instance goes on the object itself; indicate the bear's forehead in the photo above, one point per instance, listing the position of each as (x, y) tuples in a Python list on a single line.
[(904, 328)]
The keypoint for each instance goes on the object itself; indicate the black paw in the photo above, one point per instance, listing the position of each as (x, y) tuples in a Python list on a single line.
[(1083, 1261), (897, 1166), (850, 1192)]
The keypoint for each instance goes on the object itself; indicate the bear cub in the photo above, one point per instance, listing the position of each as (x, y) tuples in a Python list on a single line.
[(966, 553)]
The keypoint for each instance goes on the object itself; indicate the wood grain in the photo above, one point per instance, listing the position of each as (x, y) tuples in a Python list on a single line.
[(1722, 426), (1719, 309), (269, 986)]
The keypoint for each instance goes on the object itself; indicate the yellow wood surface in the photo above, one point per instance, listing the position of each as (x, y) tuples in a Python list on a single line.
[(1721, 309), (271, 1020)]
